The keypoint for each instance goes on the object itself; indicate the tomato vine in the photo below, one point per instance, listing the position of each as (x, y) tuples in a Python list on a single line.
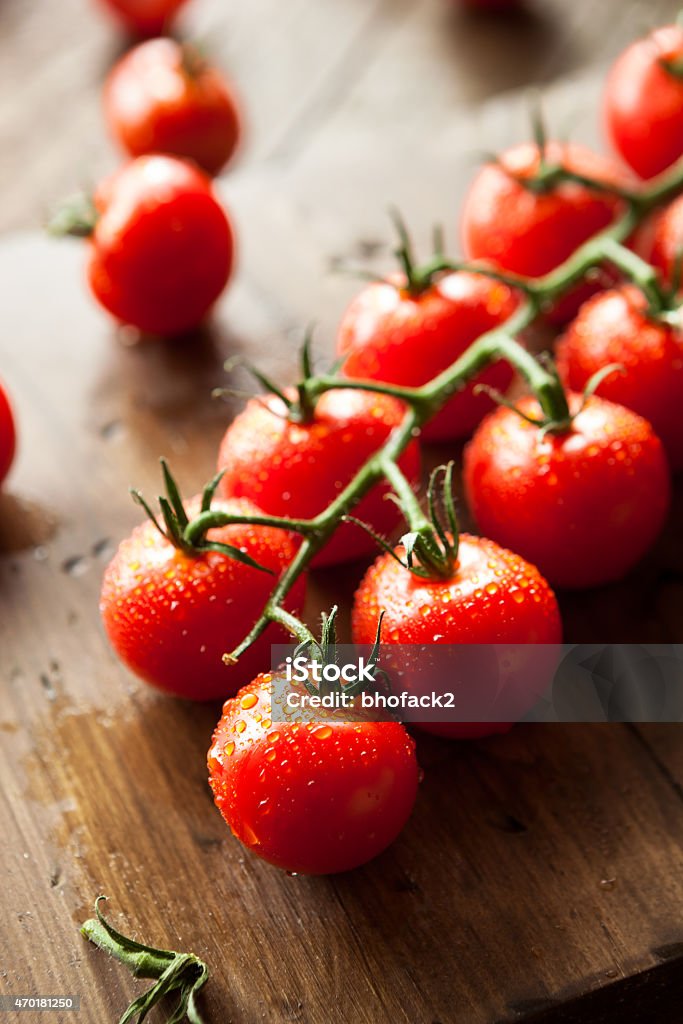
[(425, 401)]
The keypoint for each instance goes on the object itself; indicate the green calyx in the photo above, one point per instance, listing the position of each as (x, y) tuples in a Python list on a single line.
[(299, 409), (431, 543), (76, 216), (182, 532), (547, 424), (431, 550), (182, 973), (418, 279), (324, 652), (549, 176)]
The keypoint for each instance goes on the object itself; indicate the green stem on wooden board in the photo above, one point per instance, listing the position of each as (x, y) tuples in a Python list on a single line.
[(183, 973)]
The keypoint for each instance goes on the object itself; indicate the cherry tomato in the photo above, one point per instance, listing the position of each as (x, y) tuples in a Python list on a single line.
[(162, 97), (7, 435), (170, 616), (492, 597), (614, 328), (314, 798), (530, 233), (391, 335), (161, 250), (298, 469), (644, 102), (145, 17), (584, 505)]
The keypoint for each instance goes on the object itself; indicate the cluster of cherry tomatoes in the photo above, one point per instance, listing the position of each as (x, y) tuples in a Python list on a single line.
[(161, 245), (577, 506)]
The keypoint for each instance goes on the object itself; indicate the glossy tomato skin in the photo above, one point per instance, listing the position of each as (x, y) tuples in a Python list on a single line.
[(390, 335), (161, 98), (614, 328), (584, 506), (311, 798), (492, 597), (643, 103), (162, 248), (296, 470), (8, 437), (171, 617), (528, 233), (145, 17)]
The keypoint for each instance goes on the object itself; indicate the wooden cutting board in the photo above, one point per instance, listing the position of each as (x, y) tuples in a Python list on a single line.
[(539, 868)]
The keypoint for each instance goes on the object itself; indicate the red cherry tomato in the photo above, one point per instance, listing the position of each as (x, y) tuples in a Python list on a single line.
[(531, 233), (315, 798), (584, 505), (145, 17), (7, 435), (170, 616), (391, 335), (297, 469), (161, 250), (644, 102), (614, 328), (492, 597), (162, 97)]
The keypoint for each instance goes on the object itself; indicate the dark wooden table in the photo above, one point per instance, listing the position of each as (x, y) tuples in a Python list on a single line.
[(540, 876)]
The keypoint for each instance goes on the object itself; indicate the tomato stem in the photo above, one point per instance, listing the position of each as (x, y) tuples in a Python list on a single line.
[(642, 274), (174, 972)]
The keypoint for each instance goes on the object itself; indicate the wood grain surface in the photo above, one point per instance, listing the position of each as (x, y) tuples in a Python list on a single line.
[(540, 876)]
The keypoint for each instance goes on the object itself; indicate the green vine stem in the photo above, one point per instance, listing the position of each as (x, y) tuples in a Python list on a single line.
[(423, 402), (183, 973)]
